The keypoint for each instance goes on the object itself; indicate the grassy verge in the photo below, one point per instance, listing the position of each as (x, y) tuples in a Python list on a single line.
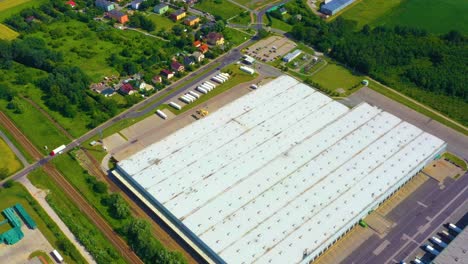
[(334, 76), (83, 229), (17, 145), (9, 161), (18, 194), (281, 25), (234, 36), (455, 160), (396, 97), (223, 8), (237, 77), (39, 253)]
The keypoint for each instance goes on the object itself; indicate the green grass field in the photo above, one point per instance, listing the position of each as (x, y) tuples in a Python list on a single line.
[(334, 76), (234, 36), (7, 33), (8, 159), (279, 24), (161, 21), (18, 194), (11, 7), (433, 15), (225, 9)]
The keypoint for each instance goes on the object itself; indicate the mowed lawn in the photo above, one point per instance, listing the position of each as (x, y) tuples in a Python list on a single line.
[(11, 7), (334, 76), (225, 9), (161, 21), (8, 159), (436, 16), (368, 11), (7, 33)]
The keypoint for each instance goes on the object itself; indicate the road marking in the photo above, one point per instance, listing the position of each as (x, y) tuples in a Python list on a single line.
[(434, 217), (380, 248), (421, 204)]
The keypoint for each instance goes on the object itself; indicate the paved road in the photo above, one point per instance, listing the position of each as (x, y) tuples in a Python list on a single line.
[(416, 218), (14, 149), (457, 142)]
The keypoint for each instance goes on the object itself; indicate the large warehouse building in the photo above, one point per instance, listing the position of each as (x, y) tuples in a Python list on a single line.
[(278, 175)]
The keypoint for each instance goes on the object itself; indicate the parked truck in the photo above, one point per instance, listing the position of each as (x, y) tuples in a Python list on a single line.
[(174, 105), (58, 150), (193, 98), (161, 114), (201, 90), (438, 242), (194, 94), (184, 99), (455, 228), (57, 256), (447, 235), (431, 250)]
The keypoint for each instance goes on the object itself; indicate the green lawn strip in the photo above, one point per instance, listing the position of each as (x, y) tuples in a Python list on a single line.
[(234, 36), (39, 253), (161, 21), (237, 77), (17, 145), (224, 9), (334, 76), (367, 11), (79, 224), (18, 194), (455, 160), (241, 19), (6, 12), (396, 97), (281, 25), (9, 160)]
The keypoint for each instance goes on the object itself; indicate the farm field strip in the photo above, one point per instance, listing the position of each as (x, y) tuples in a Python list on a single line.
[(7, 33)]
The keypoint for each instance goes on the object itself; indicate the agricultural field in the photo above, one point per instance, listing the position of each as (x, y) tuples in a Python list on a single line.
[(435, 16), (18, 194), (8, 159), (222, 8), (333, 77), (11, 7), (7, 33)]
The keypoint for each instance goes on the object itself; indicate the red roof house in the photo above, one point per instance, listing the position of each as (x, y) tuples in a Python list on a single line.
[(157, 79), (127, 88), (197, 43), (203, 48), (71, 3), (167, 73), (178, 67)]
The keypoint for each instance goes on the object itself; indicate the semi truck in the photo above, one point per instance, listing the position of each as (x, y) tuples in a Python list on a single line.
[(161, 114), (174, 105), (447, 235), (57, 256), (438, 242), (58, 150), (431, 250), (418, 261), (455, 228), (201, 90)]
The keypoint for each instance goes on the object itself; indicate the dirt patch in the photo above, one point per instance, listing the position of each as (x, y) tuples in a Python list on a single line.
[(440, 169), (270, 49)]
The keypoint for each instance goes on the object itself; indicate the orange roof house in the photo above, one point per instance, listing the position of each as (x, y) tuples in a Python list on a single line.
[(122, 18), (203, 48)]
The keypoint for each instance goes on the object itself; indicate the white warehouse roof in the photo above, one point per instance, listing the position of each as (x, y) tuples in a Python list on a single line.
[(280, 172)]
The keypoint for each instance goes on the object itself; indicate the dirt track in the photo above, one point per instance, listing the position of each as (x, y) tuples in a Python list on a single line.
[(118, 242)]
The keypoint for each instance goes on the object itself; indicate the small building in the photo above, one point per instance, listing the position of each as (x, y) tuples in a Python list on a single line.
[(157, 79), (71, 3), (335, 6), (167, 73), (197, 43), (136, 4), (215, 38), (292, 55), (121, 17), (247, 69), (203, 48), (127, 88), (248, 60), (198, 56), (177, 66), (188, 60), (178, 15), (191, 21), (105, 5), (161, 8)]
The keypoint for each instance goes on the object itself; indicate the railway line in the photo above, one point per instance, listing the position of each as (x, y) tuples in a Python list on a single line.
[(76, 197)]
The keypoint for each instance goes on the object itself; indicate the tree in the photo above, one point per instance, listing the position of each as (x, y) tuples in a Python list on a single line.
[(119, 209), (262, 33), (100, 187), (3, 173), (16, 105)]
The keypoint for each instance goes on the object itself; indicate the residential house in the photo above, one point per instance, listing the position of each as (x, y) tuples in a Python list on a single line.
[(188, 60), (122, 18), (127, 88), (71, 3), (161, 8), (157, 79), (106, 5), (136, 4), (178, 67), (197, 43), (215, 38), (203, 48), (198, 56), (167, 73), (178, 15), (191, 21)]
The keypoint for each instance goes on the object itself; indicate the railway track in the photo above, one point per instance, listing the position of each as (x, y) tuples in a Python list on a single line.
[(76, 197)]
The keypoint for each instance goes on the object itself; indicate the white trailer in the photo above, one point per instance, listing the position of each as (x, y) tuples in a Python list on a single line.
[(193, 98), (184, 99), (58, 150), (247, 69), (194, 94), (439, 242), (225, 74), (455, 228), (215, 79), (222, 77), (447, 235), (161, 114), (57, 256), (210, 83), (206, 87), (201, 90), (176, 106), (418, 261), (431, 250)]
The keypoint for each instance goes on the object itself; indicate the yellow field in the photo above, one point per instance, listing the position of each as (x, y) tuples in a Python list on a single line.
[(7, 33), (7, 4), (8, 159)]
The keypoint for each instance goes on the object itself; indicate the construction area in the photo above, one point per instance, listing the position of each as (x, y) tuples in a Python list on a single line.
[(278, 175), (270, 49)]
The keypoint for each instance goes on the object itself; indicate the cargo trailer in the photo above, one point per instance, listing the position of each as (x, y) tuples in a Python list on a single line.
[(184, 99), (194, 94), (206, 87), (58, 150), (210, 83), (438, 242), (174, 105), (161, 114), (431, 250), (193, 98), (447, 235), (219, 76), (201, 90), (216, 79), (455, 228), (57, 256)]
